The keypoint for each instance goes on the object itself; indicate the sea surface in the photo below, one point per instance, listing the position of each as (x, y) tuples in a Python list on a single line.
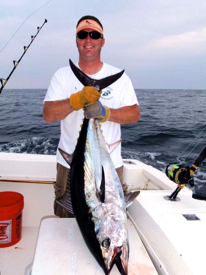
[(172, 127)]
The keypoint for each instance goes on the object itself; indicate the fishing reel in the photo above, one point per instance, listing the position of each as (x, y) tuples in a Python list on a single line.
[(179, 174), (183, 176)]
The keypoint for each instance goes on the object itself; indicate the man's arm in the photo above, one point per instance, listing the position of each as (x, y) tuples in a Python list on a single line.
[(56, 110), (125, 115), (59, 109)]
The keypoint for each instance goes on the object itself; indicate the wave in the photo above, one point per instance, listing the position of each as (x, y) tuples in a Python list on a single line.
[(150, 155), (34, 145)]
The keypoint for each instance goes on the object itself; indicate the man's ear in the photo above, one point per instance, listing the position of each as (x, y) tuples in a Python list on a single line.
[(103, 42)]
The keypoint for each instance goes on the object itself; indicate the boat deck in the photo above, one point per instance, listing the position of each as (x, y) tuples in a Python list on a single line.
[(62, 250), (175, 244), (38, 203), (47, 246), (38, 217), (17, 259), (172, 231)]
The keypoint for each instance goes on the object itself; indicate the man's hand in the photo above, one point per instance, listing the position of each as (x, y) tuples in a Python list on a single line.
[(97, 110), (87, 95)]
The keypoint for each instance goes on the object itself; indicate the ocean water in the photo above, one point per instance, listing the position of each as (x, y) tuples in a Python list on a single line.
[(172, 127)]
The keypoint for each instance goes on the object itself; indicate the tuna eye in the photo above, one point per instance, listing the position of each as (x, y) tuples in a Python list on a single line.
[(106, 243)]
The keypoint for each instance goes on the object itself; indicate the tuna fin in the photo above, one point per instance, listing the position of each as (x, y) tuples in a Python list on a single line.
[(113, 146), (87, 81), (130, 197), (66, 201), (102, 187), (66, 156), (101, 193)]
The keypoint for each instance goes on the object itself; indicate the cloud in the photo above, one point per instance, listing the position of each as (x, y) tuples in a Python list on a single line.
[(144, 37), (189, 41)]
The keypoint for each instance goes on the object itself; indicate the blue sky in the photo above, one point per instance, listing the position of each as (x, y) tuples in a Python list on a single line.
[(160, 44)]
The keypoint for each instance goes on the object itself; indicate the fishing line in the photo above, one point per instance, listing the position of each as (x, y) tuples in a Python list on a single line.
[(197, 137), (23, 24), (196, 146)]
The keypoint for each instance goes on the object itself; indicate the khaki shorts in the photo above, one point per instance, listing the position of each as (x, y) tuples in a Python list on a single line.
[(61, 184)]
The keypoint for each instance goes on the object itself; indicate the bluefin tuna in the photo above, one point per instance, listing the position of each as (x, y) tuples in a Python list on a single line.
[(94, 192)]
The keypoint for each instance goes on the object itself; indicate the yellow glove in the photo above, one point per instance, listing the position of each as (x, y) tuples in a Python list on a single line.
[(87, 95)]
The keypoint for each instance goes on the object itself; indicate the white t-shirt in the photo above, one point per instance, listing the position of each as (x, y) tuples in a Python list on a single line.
[(119, 94)]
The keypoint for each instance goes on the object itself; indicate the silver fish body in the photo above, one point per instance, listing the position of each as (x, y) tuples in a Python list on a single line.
[(98, 200), (108, 213), (95, 191)]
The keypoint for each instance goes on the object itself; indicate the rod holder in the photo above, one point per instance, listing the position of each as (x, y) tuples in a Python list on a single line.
[(2, 80), (173, 196)]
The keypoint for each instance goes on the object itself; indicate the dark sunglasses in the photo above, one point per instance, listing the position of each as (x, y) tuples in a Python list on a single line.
[(93, 35)]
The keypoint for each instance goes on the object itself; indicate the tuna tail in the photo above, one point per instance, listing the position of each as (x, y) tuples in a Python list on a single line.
[(98, 84)]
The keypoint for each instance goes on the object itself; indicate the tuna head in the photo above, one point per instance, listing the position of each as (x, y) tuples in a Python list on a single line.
[(111, 233), (113, 254)]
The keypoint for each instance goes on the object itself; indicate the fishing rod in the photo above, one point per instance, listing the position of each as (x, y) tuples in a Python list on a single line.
[(16, 63), (183, 176)]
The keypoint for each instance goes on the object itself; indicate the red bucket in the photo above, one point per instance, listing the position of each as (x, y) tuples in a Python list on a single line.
[(11, 206)]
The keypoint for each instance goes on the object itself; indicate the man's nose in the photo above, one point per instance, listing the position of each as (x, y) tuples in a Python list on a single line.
[(88, 37)]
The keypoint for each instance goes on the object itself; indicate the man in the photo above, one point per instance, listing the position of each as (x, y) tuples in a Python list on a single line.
[(68, 101)]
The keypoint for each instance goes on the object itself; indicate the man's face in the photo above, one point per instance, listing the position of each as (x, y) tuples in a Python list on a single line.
[(90, 49)]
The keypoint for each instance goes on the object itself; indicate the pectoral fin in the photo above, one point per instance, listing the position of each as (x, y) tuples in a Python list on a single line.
[(66, 156), (101, 193), (130, 197), (113, 146), (102, 187)]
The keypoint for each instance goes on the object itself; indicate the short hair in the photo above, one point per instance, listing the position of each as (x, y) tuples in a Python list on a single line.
[(89, 17)]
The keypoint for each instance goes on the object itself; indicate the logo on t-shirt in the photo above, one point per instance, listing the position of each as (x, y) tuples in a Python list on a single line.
[(107, 93)]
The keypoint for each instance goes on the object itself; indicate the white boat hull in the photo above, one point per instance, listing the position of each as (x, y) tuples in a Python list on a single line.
[(175, 244)]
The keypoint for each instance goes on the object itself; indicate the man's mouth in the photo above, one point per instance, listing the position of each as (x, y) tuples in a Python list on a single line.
[(88, 47)]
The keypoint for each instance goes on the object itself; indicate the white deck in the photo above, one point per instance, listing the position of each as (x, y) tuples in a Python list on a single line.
[(38, 199), (177, 244), (38, 203), (14, 260)]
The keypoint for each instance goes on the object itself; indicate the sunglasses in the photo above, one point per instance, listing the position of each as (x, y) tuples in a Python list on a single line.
[(93, 35)]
